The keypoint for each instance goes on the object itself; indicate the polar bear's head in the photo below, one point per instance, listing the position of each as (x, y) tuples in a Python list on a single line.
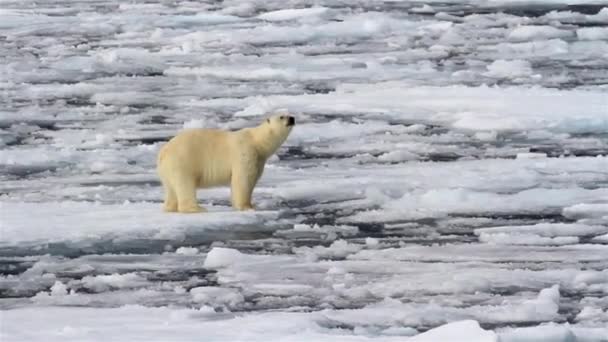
[(279, 126), (281, 123), (273, 132)]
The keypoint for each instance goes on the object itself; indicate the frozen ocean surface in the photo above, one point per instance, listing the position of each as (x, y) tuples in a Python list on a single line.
[(447, 179)]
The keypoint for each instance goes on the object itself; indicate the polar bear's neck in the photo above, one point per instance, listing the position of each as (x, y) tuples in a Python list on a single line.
[(266, 143)]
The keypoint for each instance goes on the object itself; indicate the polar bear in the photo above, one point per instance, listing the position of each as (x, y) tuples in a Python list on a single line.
[(203, 158)]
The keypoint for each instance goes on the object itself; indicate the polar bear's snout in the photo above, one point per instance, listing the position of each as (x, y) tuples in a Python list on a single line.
[(291, 121)]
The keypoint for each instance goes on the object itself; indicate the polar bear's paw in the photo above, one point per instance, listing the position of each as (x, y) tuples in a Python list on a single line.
[(248, 207), (170, 208), (191, 209)]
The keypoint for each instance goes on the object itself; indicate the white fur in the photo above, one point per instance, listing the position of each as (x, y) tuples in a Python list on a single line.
[(203, 158)]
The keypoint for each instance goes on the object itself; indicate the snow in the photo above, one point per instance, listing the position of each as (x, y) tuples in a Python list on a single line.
[(446, 179)]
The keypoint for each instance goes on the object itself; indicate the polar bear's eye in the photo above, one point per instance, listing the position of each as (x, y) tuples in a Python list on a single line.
[(281, 117)]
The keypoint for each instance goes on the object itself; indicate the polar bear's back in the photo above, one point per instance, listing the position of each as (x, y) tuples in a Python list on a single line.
[(205, 154)]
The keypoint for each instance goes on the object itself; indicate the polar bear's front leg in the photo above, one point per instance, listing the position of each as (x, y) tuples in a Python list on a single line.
[(170, 203), (185, 189), (244, 179), (241, 191)]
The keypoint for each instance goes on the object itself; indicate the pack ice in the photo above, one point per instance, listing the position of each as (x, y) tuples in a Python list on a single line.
[(447, 180)]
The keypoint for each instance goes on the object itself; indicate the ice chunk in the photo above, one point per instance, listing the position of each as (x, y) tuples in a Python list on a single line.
[(467, 330), (471, 108), (196, 123), (547, 229), (102, 283), (59, 289), (337, 250), (487, 253), (527, 239), (371, 242), (586, 210), (531, 155), (589, 313), (424, 9), (325, 232), (283, 290), (217, 296), (547, 303), (187, 251), (198, 19), (291, 14), (394, 312), (601, 16), (84, 222), (601, 238), (544, 333), (398, 156), (125, 98), (235, 73), (592, 33), (220, 257), (525, 33), (486, 136), (509, 69), (540, 48), (336, 129), (440, 201)]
